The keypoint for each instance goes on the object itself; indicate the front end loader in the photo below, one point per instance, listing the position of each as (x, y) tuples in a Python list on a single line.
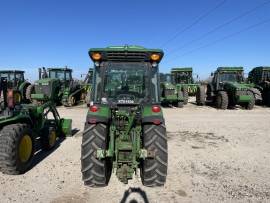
[(24, 127)]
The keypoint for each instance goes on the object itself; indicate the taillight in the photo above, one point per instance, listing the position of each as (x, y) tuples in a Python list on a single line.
[(156, 109), (93, 108)]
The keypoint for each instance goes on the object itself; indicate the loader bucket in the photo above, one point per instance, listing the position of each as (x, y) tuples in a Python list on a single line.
[(66, 126)]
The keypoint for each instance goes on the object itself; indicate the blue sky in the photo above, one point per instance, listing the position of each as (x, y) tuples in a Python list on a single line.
[(35, 33)]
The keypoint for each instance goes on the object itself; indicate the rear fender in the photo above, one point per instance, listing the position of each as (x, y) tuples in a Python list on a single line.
[(14, 120), (102, 115), (148, 116)]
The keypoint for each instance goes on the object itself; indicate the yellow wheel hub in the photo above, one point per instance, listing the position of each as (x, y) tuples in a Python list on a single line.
[(17, 97), (25, 148), (73, 101), (52, 138)]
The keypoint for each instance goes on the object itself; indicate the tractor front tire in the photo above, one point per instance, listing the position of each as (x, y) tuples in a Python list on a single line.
[(267, 98), (252, 101), (200, 96), (95, 172), (17, 148), (180, 104), (154, 169), (222, 100), (185, 94), (71, 101)]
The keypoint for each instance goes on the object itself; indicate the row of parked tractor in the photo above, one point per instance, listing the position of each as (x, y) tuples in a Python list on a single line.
[(226, 88), (29, 120), (64, 89), (124, 127)]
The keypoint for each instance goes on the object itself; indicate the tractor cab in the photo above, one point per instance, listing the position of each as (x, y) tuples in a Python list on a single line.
[(259, 75), (165, 77), (15, 80), (63, 74), (182, 75), (13, 77), (125, 75), (228, 74)]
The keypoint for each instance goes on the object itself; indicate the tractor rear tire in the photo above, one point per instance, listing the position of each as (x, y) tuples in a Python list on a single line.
[(185, 94), (251, 103), (154, 170), (180, 104), (222, 100), (257, 95), (2, 105), (267, 98), (17, 148), (71, 101), (200, 96), (95, 172), (29, 91)]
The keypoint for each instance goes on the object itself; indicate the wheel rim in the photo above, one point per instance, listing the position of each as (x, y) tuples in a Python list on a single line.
[(25, 148), (72, 101), (17, 97), (52, 138)]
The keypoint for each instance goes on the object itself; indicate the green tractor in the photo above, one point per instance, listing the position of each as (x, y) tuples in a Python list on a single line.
[(227, 89), (170, 93), (26, 127), (183, 78), (260, 77), (69, 91), (125, 128), (16, 81)]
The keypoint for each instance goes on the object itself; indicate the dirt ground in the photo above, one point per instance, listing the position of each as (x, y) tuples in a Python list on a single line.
[(214, 156)]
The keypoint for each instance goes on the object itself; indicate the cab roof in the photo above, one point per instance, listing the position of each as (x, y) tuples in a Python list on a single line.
[(184, 69), (263, 68), (11, 71), (125, 53), (59, 69), (233, 69)]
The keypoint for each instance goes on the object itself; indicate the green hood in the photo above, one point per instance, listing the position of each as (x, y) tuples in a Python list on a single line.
[(168, 85), (235, 86), (45, 80)]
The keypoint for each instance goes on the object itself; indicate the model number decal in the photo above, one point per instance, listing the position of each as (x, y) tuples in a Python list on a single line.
[(126, 101)]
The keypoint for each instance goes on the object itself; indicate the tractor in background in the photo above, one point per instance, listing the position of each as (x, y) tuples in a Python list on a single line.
[(183, 77), (260, 78), (227, 89), (171, 94), (125, 128), (16, 81), (69, 91), (25, 127)]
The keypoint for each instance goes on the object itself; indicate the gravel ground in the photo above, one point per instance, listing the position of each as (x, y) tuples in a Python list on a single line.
[(214, 156)]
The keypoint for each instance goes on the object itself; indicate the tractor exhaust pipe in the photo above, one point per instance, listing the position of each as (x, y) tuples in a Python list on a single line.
[(39, 73)]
